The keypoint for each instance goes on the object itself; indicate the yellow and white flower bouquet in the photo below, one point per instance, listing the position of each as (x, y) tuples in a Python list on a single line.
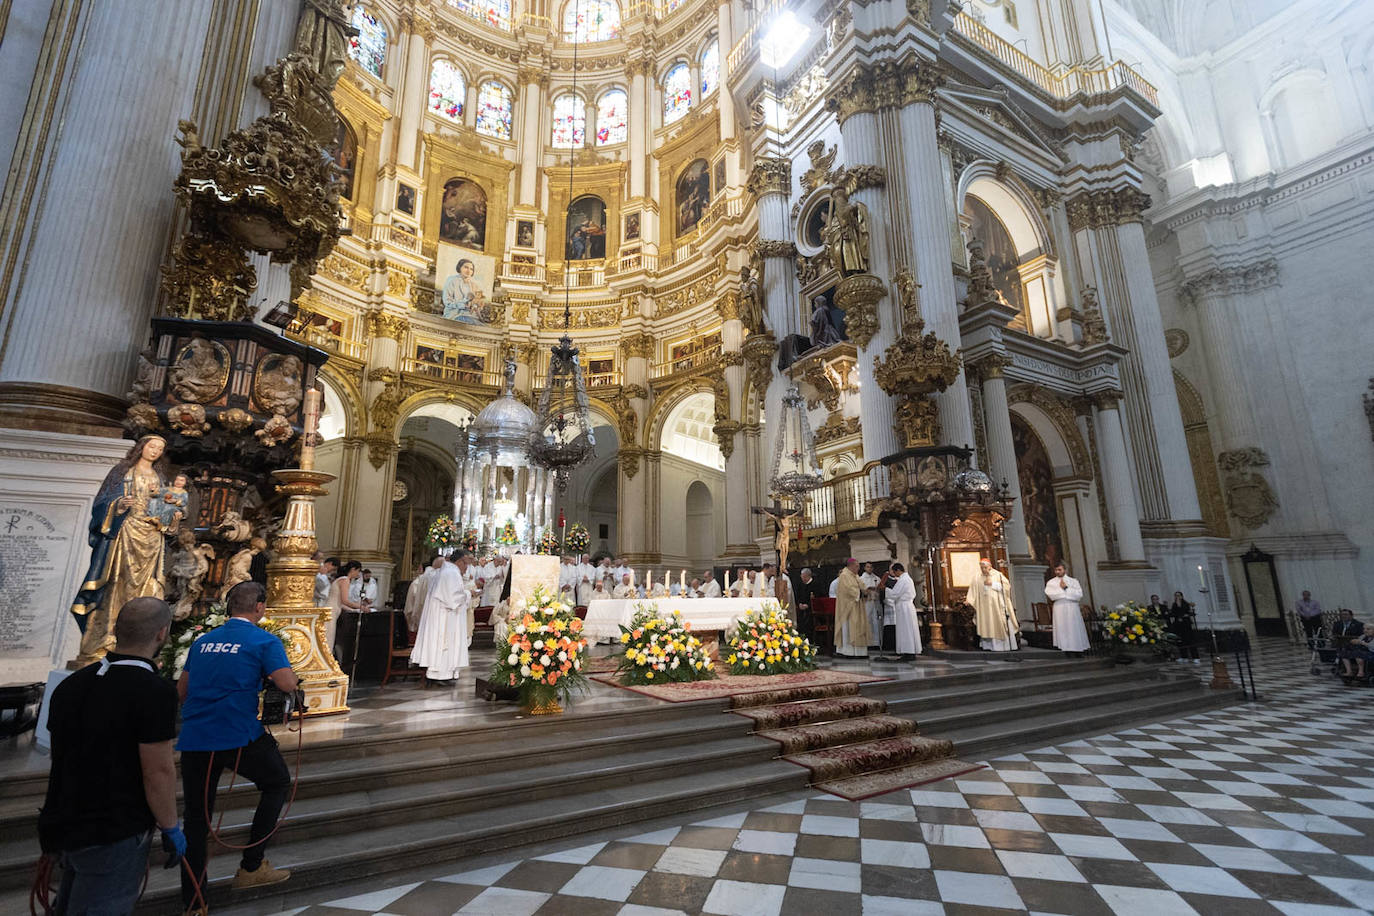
[(766, 642), (542, 657), (1130, 624), (661, 649)]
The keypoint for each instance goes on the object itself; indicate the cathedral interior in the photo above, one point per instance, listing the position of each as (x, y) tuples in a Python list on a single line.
[(1110, 255)]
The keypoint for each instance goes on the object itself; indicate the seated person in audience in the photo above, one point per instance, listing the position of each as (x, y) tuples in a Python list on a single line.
[(1343, 636), (1361, 652), (693, 589), (659, 590), (599, 592), (711, 589)]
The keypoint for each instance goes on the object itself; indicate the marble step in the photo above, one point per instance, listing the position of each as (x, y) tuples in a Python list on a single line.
[(834, 734), (360, 854), (792, 694), (991, 675), (981, 740), (931, 695)]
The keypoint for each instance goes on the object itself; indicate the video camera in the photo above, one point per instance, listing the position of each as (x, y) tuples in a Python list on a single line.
[(278, 706)]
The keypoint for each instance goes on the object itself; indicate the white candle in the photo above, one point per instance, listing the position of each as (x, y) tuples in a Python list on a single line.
[(1202, 577), (313, 398), (682, 581)]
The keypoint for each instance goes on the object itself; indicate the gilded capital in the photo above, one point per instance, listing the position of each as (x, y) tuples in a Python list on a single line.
[(638, 345), (993, 365), (727, 306), (1101, 209), (384, 324), (770, 248), (770, 175)]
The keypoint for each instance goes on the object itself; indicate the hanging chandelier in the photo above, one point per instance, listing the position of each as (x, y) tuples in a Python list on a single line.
[(563, 439), (796, 470)]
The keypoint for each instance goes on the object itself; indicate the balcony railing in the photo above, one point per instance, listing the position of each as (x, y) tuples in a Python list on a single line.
[(593, 379), (454, 374), (1076, 81), (690, 362), (522, 270), (330, 343), (846, 502)]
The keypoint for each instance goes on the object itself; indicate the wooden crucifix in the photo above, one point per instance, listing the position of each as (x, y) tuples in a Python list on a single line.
[(783, 517)]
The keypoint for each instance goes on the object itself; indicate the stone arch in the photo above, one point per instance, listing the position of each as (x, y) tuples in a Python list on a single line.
[(1053, 421), (422, 399), (348, 397), (1300, 116), (1201, 455), (664, 405), (1009, 198)]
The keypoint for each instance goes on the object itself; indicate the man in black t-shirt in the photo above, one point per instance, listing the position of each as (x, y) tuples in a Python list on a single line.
[(112, 778)]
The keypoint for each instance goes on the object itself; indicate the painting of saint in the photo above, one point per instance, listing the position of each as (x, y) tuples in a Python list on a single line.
[(999, 250), (631, 227), (693, 195), (586, 238), (467, 288), (405, 199), (1036, 476), (524, 233), (463, 214), (720, 176), (344, 152)]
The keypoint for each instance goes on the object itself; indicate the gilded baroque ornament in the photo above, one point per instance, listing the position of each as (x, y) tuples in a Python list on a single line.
[(1094, 325), (385, 324), (885, 85), (724, 431), (1176, 341), (1101, 209), (859, 296), (836, 427), (915, 366), (639, 346), (758, 352), (770, 175), (770, 248), (822, 167), (1249, 498)]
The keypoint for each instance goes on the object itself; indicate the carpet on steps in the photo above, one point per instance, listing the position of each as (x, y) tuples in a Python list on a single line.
[(818, 735), (830, 763), (787, 715), (733, 685), (867, 785)]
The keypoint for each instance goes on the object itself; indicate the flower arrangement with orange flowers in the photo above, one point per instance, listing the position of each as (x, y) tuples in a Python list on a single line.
[(1132, 625), (548, 543), (542, 658), (661, 650), (443, 533), (766, 642)]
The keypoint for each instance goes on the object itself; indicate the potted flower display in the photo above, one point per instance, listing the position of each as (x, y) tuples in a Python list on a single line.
[(508, 536), (1135, 631), (548, 543), (470, 540), (661, 649), (766, 642), (542, 658), (578, 538), (443, 534)]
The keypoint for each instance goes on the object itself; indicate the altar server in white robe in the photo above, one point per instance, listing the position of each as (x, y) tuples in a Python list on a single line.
[(418, 591), (625, 591), (1070, 635), (659, 589), (496, 580), (763, 582), (441, 647), (712, 588), (901, 604), (584, 588), (740, 587), (874, 602)]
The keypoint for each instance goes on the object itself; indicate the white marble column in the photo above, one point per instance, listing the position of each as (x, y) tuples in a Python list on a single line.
[(1111, 243), (87, 243), (637, 350), (1002, 451), (1232, 418), (413, 94), (639, 123), (920, 210), (532, 126), (737, 503), (725, 36), (1116, 474)]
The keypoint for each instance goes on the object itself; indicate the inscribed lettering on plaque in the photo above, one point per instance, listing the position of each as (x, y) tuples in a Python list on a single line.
[(35, 555)]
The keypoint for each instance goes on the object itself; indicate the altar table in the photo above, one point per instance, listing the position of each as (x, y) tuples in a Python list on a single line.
[(605, 616)]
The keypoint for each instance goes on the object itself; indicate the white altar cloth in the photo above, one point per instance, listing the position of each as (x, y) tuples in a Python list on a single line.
[(606, 615)]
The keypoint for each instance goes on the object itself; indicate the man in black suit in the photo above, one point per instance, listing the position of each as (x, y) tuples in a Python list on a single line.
[(804, 591)]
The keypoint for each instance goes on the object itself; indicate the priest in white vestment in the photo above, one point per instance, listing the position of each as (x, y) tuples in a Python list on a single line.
[(1070, 635), (901, 604), (584, 588), (418, 591), (990, 595), (441, 647), (712, 588), (625, 591), (658, 590), (874, 602), (496, 580)]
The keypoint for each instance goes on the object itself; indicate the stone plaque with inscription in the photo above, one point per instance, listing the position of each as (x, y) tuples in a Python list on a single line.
[(35, 553)]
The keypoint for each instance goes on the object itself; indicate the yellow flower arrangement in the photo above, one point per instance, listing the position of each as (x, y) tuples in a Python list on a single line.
[(543, 654), (1132, 625), (661, 648), (765, 642)]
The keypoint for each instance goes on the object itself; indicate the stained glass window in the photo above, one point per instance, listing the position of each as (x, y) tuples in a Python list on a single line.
[(447, 90), (710, 69), (611, 123), (591, 20), (368, 47), (494, 105), (569, 122), (492, 12), (677, 93)]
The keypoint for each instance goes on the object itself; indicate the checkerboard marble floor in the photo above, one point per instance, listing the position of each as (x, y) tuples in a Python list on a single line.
[(1266, 807)]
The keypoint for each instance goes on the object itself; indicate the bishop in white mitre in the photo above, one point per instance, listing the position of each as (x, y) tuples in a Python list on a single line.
[(441, 647), (1070, 635), (625, 591)]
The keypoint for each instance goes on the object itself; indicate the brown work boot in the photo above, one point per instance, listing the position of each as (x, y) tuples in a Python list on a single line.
[(196, 910), (263, 876)]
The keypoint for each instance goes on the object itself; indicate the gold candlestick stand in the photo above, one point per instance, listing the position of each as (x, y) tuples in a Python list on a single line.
[(291, 595)]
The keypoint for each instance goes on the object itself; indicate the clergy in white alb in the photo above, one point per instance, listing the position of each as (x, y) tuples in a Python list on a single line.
[(712, 588), (994, 616), (496, 580), (1070, 635), (584, 588), (874, 602), (418, 591), (441, 646), (901, 604), (625, 591)]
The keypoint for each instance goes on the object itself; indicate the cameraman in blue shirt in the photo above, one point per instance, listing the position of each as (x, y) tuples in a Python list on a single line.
[(219, 688)]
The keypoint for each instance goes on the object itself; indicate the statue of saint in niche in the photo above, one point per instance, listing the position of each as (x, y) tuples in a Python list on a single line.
[(846, 234)]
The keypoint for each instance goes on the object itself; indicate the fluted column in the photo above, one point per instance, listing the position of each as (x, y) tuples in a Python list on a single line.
[(919, 198), (639, 123), (413, 95), (1107, 226), (725, 35), (770, 182), (1116, 474), (532, 83), (1232, 418), (80, 261), (738, 540), (1002, 450), (636, 349)]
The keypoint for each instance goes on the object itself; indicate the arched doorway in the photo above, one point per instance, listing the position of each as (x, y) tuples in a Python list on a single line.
[(425, 476), (700, 514), (593, 493)]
